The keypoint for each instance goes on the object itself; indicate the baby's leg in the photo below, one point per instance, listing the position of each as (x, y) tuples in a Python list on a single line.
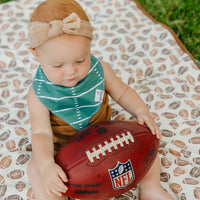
[(37, 187), (150, 188)]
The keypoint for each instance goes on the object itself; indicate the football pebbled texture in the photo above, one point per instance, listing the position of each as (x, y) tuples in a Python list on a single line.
[(107, 159)]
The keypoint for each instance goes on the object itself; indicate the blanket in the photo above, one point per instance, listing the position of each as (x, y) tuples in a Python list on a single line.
[(145, 54)]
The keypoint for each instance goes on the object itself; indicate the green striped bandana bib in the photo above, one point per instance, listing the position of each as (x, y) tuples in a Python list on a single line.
[(75, 105)]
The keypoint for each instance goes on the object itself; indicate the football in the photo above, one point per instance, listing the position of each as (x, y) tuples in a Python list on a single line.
[(107, 159)]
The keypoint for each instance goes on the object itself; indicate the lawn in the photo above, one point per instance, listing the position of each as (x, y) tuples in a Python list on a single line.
[(182, 16), (3, 1)]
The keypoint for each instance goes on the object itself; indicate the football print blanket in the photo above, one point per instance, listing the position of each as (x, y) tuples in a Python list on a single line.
[(144, 53)]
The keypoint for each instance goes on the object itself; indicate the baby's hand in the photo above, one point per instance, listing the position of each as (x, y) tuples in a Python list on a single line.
[(145, 118), (52, 178)]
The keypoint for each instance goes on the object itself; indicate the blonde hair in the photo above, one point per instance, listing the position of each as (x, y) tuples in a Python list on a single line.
[(51, 10)]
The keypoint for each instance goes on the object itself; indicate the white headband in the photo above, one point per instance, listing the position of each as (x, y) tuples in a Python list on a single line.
[(40, 32)]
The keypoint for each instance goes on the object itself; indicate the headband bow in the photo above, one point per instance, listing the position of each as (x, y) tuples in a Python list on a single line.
[(40, 32)]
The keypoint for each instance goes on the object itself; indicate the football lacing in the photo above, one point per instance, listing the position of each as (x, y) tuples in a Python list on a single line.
[(95, 153)]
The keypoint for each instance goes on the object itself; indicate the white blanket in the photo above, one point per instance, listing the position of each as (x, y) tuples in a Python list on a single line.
[(145, 55)]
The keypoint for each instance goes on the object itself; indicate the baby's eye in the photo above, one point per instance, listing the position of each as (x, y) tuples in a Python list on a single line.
[(57, 66), (80, 61)]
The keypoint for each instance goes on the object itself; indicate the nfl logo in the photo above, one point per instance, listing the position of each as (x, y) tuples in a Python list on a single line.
[(122, 175)]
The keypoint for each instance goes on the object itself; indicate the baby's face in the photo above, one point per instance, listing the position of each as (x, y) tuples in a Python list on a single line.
[(65, 60)]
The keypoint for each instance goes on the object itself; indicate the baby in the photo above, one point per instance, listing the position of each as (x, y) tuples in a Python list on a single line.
[(69, 92)]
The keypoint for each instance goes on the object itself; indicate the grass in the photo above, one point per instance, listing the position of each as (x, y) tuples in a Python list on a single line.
[(3, 1), (182, 16)]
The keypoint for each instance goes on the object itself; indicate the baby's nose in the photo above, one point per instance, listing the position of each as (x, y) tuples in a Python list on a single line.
[(70, 70)]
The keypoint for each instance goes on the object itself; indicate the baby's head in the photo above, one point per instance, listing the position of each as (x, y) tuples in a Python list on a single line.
[(53, 18), (60, 36), (51, 10)]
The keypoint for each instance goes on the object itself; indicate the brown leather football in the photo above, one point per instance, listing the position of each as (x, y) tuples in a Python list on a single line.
[(107, 159)]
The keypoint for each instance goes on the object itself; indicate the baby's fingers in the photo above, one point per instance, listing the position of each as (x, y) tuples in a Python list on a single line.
[(158, 133), (55, 192), (151, 127), (62, 175), (140, 120), (155, 130), (149, 122), (61, 178)]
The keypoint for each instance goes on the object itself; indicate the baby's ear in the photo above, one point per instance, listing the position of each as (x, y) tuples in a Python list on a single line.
[(33, 51)]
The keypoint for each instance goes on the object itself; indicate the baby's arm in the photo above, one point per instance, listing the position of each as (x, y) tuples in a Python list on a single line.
[(128, 99), (52, 176)]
